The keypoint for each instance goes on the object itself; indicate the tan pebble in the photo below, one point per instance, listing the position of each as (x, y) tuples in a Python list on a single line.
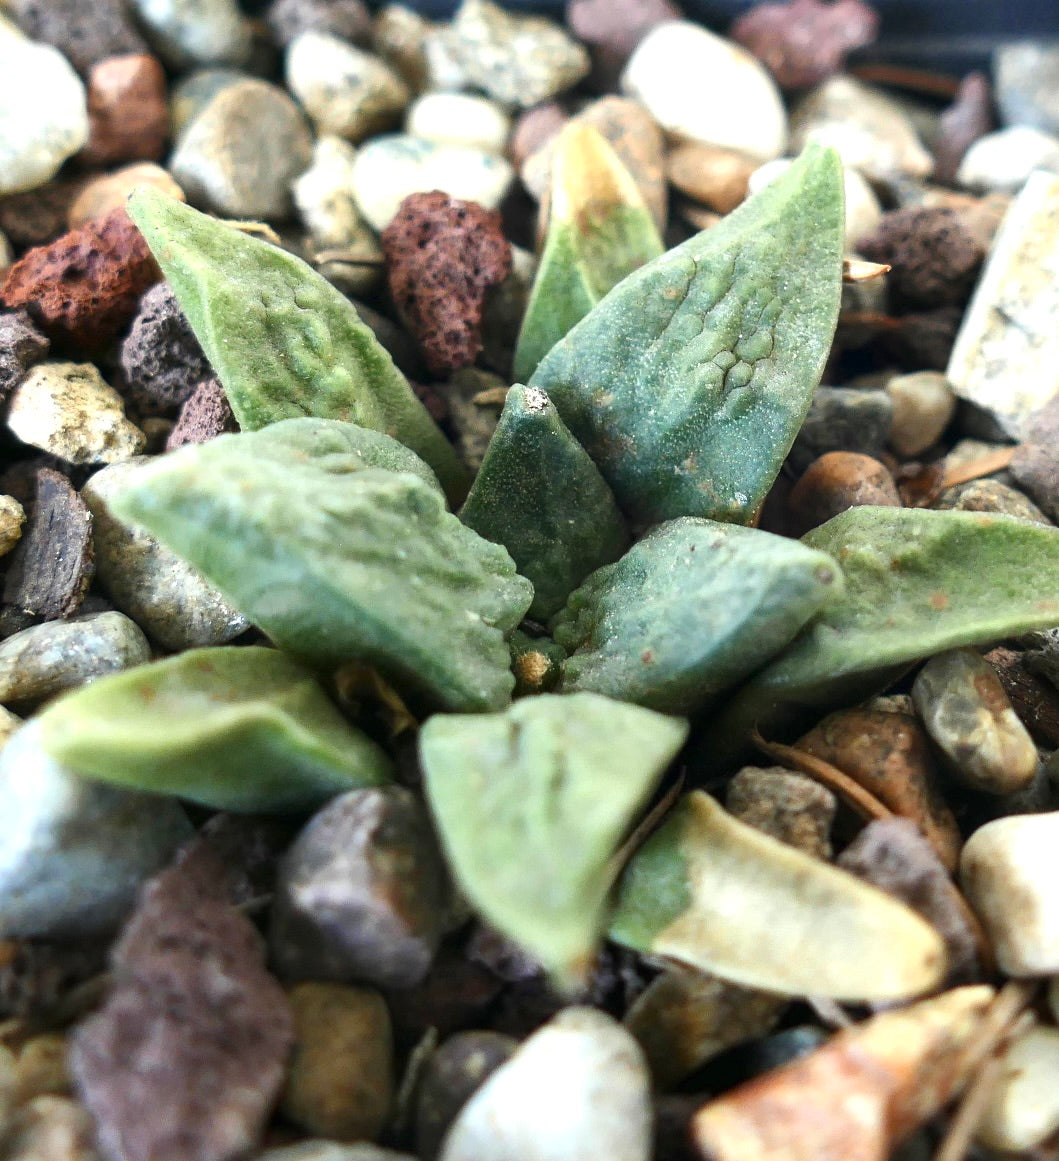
[(837, 481), (923, 404), (41, 1067), (790, 807), (889, 755), (106, 193), (1023, 1106), (51, 1128), (12, 517), (714, 176), (856, 1097), (341, 1076)]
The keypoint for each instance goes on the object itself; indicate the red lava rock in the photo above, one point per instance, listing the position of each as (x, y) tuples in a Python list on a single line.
[(934, 258), (969, 117), (128, 112), (806, 41), (837, 481), (534, 128), (83, 32), (611, 29), (204, 415), (442, 255), (187, 1056), (84, 287)]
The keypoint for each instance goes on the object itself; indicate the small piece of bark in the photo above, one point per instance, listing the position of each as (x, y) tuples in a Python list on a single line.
[(53, 564)]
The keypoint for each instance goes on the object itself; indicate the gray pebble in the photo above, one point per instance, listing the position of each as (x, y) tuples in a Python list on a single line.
[(849, 419), (347, 19), (195, 32), (167, 598), (450, 1078), (361, 894), (160, 357), (966, 711), (21, 347), (74, 852), (1026, 78), (240, 154), (193, 92), (46, 659), (787, 806), (1035, 464), (893, 855)]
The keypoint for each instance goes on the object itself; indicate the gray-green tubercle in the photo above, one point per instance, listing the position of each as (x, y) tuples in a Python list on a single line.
[(282, 340), (688, 382), (539, 495), (599, 230), (244, 729), (917, 582), (690, 610), (338, 564), (531, 804)]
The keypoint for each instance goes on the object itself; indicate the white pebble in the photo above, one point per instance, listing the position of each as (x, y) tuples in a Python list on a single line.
[(1001, 162), (700, 86), (923, 405), (459, 119), (1023, 1105), (67, 409), (577, 1088), (1009, 869)]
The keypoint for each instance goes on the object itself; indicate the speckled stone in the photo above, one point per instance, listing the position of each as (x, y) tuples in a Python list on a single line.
[(1001, 162), (193, 92), (74, 852), (870, 130), (240, 154), (340, 1083), (789, 807), (12, 517), (346, 91), (46, 659), (519, 60), (398, 36), (687, 77), (195, 32), (43, 110), (990, 496), (68, 410), (1026, 75), (1006, 356), (459, 119), (389, 168), (171, 602), (1008, 871)]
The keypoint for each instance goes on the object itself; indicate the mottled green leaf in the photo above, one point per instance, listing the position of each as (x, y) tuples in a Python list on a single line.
[(539, 495), (283, 341), (689, 611), (723, 897), (232, 728), (599, 230), (917, 582), (531, 804), (689, 381), (340, 565)]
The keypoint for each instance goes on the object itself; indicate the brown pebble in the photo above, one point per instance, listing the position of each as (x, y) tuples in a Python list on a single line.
[(790, 807), (84, 287), (442, 255), (714, 176), (52, 566), (933, 259), (969, 117), (889, 755), (892, 854), (109, 192), (204, 415), (806, 41), (611, 29), (128, 110), (837, 481), (39, 215), (856, 1097), (187, 1055)]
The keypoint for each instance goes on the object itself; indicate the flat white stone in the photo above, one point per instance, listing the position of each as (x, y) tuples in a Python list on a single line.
[(578, 1088), (69, 410), (1006, 355), (863, 210), (1009, 869), (700, 86), (870, 131), (1023, 1106), (1001, 162), (459, 119), (43, 111), (391, 167)]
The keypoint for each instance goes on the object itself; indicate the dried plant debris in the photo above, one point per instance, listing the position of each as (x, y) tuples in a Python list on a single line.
[(187, 1055)]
